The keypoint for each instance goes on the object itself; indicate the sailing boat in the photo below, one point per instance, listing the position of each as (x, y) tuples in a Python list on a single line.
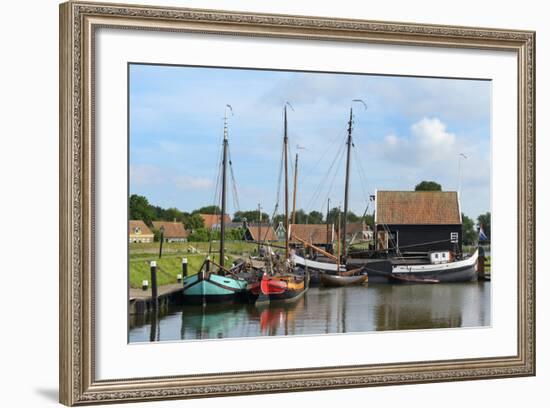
[(222, 285), (279, 283), (347, 278)]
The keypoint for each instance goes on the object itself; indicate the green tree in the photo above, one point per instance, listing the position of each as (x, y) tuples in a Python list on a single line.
[(140, 209), (333, 216), (209, 209), (172, 214), (315, 217), (251, 216), (199, 235), (428, 186), (193, 222), (300, 218), (469, 235), (485, 220)]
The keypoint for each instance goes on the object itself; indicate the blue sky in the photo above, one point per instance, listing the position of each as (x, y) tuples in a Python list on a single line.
[(413, 130)]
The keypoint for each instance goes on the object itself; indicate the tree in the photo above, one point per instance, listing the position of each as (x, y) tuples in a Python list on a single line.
[(209, 209), (428, 186), (485, 221), (469, 235), (172, 214), (140, 209), (333, 216), (199, 235), (251, 216), (301, 217), (193, 222), (315, 217)]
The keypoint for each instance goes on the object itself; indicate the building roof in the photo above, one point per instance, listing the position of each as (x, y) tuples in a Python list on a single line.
[(211, 220), (171, 229), (143, 228), (417, 207), (312, 233), (266, 233)]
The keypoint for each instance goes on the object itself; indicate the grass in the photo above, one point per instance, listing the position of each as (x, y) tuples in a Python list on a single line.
[(169, 266)]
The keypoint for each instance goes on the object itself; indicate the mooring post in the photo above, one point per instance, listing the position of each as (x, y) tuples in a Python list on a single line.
[(144, 284), (184, 267), (154, 288)]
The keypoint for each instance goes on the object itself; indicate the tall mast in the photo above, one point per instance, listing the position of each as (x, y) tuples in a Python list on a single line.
[(328, 233), (259, 228), (295, 188), (224, 182), (285, 147), (346, 191)]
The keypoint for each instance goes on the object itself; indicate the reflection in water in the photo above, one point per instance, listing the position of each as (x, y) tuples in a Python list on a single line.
[(334, 310)]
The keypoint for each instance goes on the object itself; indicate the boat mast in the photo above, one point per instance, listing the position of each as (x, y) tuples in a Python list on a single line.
[(285, 147), (295, 188), (338, 247), (346, 190), (328, 232), (224, 182)]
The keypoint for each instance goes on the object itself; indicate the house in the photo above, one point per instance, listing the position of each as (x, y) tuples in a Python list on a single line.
[(317, 234), (417, 221), (213, 221), (263, 232), (138, 231), (173, 231), (358, 232)]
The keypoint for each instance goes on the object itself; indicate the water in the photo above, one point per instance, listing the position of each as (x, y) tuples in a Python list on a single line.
[(327, 310)]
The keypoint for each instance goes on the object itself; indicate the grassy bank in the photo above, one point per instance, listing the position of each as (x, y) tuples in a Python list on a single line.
[(169, 266)]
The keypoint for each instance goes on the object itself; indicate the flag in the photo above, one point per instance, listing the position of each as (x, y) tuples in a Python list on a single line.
[(482, 236)]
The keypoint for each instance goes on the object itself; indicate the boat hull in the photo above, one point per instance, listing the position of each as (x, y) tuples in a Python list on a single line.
[(334, 281), (384, 271), (213, 288)]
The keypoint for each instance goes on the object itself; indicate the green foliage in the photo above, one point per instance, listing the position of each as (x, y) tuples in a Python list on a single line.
[(141, 210), (428, 186), (300, 217), (209, 209), (193, 222), (199, 235), (251, 216), (333, 216), (469, 235), (485, 220), (315, 217)]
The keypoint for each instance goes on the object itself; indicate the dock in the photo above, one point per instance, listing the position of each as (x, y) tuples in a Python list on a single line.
[(140, 301)]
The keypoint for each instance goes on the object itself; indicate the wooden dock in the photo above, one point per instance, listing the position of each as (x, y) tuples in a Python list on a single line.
[(140, 301)]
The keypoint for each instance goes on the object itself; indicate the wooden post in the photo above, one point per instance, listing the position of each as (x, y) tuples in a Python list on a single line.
[(144, 284), (161, 240), (184, 267), (154, 288)]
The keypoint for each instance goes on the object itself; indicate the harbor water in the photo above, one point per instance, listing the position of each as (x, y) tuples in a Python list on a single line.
[(325, 310)]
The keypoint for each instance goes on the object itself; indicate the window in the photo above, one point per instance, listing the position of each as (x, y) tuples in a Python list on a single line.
[(137, 230), (436, 256), (454, 237)]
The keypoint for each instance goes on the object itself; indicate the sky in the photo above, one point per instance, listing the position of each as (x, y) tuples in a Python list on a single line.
[(412, 129)]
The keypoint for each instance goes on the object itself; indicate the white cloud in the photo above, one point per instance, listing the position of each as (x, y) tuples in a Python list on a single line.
[(193, 183)]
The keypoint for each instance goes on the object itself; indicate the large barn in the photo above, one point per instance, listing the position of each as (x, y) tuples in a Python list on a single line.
[(417, 221)]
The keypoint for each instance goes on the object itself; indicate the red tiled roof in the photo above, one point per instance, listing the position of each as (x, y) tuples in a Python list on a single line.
[(266, 233), (171, 229), (143, 228), (417, 207), (356, 227), (312, 233), (212, 219)]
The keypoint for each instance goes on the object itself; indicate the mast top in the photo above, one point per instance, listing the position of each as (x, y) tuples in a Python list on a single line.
[(225, 120)]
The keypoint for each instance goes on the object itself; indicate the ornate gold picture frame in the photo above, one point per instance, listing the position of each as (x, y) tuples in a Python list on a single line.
[(78, 24)]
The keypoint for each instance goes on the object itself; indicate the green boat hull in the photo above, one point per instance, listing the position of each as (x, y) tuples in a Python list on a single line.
[(210, 288)]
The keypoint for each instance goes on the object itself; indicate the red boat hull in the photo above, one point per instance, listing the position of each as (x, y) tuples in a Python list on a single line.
[(272, 286)]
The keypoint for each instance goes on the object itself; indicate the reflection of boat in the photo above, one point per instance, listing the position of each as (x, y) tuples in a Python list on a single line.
[(341, 280)]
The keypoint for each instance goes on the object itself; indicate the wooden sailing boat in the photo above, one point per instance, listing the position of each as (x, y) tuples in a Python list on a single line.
[(222, 285), (347, 278), (279, 283)]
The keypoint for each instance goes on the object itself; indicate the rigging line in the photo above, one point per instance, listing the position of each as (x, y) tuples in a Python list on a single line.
[(318, 190), (362, 177), (309, 171), (236, 203), (334, 177)]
